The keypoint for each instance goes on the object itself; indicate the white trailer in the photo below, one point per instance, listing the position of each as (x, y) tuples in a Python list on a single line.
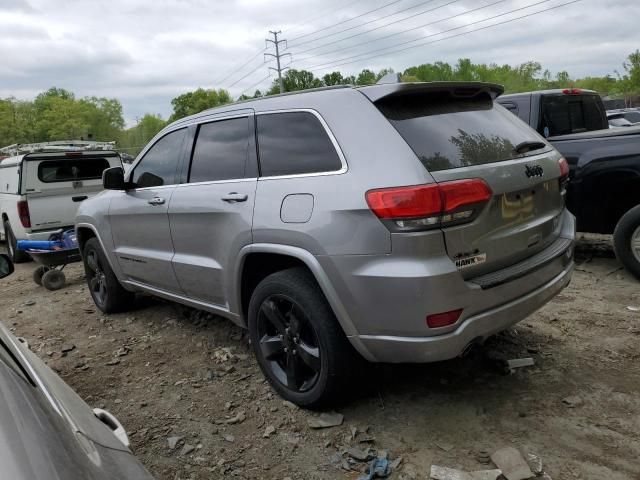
[(41, 186)]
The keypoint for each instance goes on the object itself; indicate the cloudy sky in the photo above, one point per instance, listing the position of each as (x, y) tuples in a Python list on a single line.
[(145, 52)]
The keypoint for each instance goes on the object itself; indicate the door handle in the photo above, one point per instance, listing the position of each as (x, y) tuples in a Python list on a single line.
[(156, 201), (79, 198), (234, 197)]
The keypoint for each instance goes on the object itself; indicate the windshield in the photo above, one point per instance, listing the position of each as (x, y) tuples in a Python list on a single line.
[(449, 132)]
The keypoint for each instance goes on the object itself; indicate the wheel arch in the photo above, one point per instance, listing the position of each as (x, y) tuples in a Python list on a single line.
[(85, 231), (257, 261)]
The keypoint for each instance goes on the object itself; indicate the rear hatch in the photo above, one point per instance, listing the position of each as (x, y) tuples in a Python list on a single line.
[(55, 184), (468, 142)]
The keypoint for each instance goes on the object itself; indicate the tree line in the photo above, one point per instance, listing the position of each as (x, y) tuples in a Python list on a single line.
[(58, 115)]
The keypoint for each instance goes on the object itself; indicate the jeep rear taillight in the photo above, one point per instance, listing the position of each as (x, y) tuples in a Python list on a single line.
[(420, 207), (23, 213), (564, 173)]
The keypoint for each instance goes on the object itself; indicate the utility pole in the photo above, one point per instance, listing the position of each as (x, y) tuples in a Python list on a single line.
[(277, 56)]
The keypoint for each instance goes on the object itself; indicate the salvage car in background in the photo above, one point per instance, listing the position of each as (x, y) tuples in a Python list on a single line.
[(42, 184), (46, 429), (404, 222), (604, 188)]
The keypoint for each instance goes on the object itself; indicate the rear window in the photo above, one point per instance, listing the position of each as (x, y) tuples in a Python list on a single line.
[(294, 143), (449, 132), (565, 114), (50, 171)]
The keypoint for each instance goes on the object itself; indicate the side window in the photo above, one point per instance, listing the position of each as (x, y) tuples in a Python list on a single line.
[(159, 165), (221, 151), (294, 143)]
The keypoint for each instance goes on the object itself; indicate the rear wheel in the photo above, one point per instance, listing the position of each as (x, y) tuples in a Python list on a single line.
[(297, 340), (105, 289), (54, 279), (38, 273), (626, 241), (17, 256)]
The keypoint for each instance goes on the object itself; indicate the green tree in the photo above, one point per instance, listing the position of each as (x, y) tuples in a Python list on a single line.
[(135, 138), (198, 100), (294, 80), (366, 77)]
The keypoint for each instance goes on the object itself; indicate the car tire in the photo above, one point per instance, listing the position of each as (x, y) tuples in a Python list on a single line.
[(16, 255), (626, 241), (38, 274), (53, 280), (104, 287), (299, 345)]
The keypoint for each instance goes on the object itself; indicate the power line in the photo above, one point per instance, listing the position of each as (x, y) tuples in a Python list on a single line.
[(410, 17), (373, 53), (245, 76), (324, 13), (343, 21), (226, 77), (254, 85)]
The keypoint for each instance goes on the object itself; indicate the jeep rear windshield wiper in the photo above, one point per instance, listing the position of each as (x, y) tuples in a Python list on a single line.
[(525, 147)]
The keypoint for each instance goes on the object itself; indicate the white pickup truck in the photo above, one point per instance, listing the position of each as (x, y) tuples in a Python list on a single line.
[(41, 186)]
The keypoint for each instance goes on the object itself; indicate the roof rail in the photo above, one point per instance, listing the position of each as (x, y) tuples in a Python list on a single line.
[(58, 146)]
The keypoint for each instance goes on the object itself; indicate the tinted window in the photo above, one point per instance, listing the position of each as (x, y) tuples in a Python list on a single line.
[(50, 171), (449, 132), (565, 114), (221, 151), (294, 143), (633, 117), (159, 165)]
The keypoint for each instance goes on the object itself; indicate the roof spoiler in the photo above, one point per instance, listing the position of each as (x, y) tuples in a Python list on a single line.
[(457, 89)]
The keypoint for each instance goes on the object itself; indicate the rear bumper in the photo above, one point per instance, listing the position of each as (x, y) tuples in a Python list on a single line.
[(392, 349), (387, 298)]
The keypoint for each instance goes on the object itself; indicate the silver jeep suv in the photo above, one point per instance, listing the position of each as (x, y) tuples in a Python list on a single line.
[(394, 223)]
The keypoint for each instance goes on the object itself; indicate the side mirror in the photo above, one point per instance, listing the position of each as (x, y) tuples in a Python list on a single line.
[(113, 179), (6, 265)]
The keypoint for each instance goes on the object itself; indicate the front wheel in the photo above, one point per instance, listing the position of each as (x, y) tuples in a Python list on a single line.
[(105, 289), (626, 241), (297, 340)]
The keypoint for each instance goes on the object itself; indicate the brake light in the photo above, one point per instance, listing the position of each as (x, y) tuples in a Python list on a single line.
[(427, 206), (443, 319), (23, 213), (564, 173), (73, 154), (572, 91)]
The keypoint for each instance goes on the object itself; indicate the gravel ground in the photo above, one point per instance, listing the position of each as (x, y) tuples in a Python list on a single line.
[(173, 375)]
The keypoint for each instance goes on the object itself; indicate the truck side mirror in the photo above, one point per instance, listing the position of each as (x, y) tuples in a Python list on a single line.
[(113, 179), (6, 265)]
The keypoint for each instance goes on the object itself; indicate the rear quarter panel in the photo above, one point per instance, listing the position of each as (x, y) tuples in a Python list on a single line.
[(341, 222)]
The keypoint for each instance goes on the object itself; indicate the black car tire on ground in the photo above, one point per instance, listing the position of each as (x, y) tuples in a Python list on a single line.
[(294, 333), (53, 279), (16, 255), (38, 273), (105, 289), (626, 233)]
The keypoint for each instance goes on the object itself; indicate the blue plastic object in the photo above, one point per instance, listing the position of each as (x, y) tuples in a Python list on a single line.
[(39, 245)]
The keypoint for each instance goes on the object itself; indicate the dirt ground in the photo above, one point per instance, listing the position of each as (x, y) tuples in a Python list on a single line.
[(166, 372)]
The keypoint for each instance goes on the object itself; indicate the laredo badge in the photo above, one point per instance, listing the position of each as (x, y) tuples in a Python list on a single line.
[(467, 262)]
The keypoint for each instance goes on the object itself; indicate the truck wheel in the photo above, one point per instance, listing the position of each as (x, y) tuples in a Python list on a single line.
[(53, 280), (626, 241), (297, 340), (17, 256), (105, 289), (38, 273)]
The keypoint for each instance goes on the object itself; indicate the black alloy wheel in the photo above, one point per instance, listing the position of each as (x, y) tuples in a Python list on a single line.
[(289, 343)]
